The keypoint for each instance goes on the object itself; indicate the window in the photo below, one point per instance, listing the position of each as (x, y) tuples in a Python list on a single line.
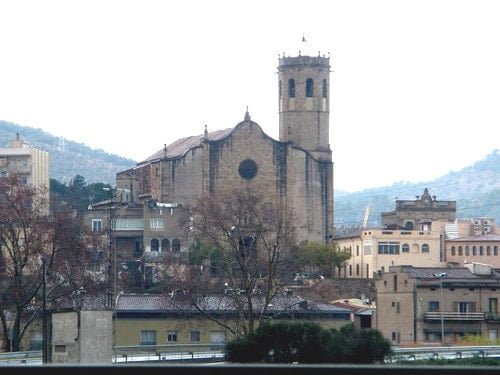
[(156, 223), (357, 269), (291, 88), (488, 250), (481, 250), (464, 307), (279, 89), (474, 250), (388, 247), (425, 248), (367, 271), (395, 283), (148, 337), (172, 336), (453, 251), (309, 88), (409, 225), (165, 244), (155, 245), (495, 250), (325, 89), (96, 225), (398, 308), (176, 245), (194, 336), (357, 250), (350, 270), (405, 248), (433, 306), (467, 251), (460, 250)]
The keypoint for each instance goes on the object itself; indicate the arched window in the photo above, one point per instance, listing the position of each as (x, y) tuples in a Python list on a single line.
[(460, 250), (155, 245), (165, 245), (291, 88), (309, 88), (405, 248), (453, 251), (409, 225), (325, 89), (474, 250), (481, 250), (425, 248), (176, 245), (467, 251)]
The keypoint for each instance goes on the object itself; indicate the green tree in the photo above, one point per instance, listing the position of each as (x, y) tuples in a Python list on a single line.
[(308, 342), (324, 256)]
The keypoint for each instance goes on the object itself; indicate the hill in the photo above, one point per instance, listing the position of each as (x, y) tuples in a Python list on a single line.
[(67, 158), (476, 189)]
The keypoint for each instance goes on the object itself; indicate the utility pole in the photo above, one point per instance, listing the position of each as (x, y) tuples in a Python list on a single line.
[(440, 277), (45, 335)]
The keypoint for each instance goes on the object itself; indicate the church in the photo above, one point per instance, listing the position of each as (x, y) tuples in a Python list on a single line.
[(296, 170)]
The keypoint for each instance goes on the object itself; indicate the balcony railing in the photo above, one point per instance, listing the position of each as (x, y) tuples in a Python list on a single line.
[(454, 315), (493, 317)]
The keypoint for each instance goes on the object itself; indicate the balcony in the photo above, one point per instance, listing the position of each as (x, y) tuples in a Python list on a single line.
[(435, 316), (493, 317)]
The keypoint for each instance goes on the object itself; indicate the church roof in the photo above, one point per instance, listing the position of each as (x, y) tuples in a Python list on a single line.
[(182, 146)]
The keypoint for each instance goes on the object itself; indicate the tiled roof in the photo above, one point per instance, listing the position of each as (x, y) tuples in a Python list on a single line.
[(182, 146), (429, 272), (483, 238), (215, 303)]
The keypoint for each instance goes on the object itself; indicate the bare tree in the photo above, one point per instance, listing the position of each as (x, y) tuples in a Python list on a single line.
[(29, 238), (245, 248)]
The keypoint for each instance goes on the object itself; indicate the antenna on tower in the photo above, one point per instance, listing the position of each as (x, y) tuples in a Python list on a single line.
[(61, 147)]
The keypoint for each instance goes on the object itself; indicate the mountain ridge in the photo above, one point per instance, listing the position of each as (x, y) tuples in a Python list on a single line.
[(68, 158), (476, 187)]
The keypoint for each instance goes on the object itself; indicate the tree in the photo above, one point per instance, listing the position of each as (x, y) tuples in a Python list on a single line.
[(249, 244), (29, 237), (308, 342), (324, 256)]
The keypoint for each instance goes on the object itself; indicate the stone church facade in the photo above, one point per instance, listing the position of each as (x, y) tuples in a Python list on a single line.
[(296, 170)]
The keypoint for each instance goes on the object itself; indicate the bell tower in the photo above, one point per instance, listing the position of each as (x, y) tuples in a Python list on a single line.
[(304, 103)]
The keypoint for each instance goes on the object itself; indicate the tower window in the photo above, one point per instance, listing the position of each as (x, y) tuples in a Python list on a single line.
[(291, 88), (279, 89), (325, 89), (309, 88)]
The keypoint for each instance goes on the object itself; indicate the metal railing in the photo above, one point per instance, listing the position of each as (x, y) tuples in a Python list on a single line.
[(169, 352), (447, 352), (33, 357), (453, 315)]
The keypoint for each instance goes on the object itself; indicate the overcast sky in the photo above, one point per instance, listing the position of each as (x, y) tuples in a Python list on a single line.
[(415, 85)]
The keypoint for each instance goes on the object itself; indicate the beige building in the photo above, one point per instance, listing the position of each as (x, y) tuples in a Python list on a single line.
[(418, 214), (296, 170), (144, 319), (411, 301), (474, 240), (375, 250), (28, 162)]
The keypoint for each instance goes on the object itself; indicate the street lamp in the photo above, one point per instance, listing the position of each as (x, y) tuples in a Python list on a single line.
[(440, 277)]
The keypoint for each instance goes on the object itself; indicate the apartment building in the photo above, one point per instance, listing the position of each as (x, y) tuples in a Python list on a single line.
[(28, 162), (418, 304), (473, 240)]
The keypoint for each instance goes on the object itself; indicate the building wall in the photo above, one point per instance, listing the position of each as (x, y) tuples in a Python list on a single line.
[(129, 329), (402, 304), (366, 258), (284, 174)]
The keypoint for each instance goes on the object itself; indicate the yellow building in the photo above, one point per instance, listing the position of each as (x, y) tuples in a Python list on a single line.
[(143, 319)]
